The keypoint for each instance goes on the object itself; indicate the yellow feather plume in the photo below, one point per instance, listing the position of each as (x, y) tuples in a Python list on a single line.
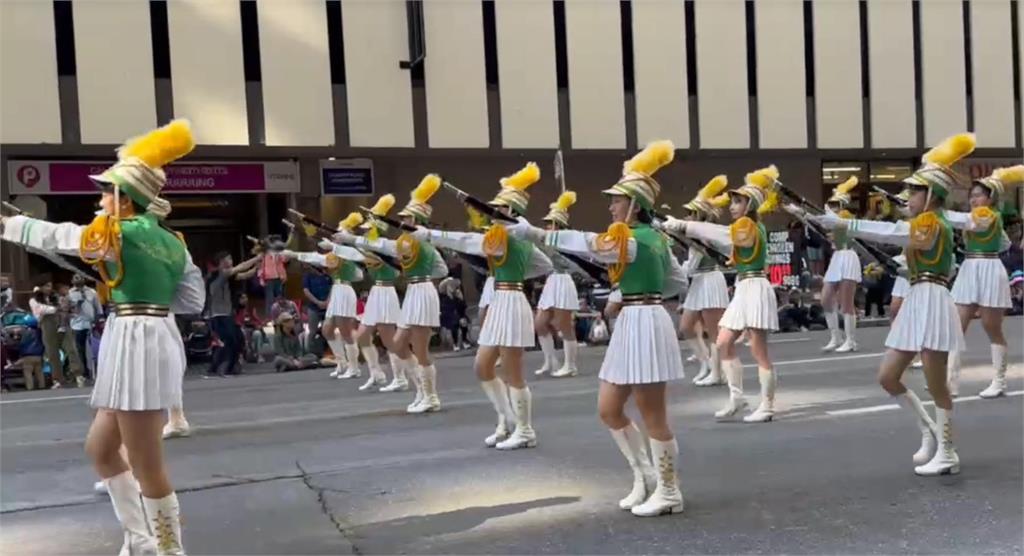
[(951, 150), (846, 186), (477, 220), (648, 161), (720, 201), (713, 187), (426, 189), (383, 205), (522, 179), (764, 178), (1014, 175), (770, 203), (351, 221), (161, 146), (565, 200)]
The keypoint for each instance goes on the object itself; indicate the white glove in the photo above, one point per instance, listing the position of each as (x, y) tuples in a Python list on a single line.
[(343, 236), (829, 220), (421, 233), (326, 244), (672, 224), (795, 210), (522, 229)]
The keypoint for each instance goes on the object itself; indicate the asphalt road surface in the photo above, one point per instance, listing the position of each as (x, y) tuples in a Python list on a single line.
[(302, 464)]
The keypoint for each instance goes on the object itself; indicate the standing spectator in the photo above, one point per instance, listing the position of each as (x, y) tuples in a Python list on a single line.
[(874, 284), (85, 309), (6, 294), (316, 287), (95, 336), (252, 329), (221, 312), (43, 305), (272, 273), (67, 336), (30, 352), (453, 311), (288, 352)]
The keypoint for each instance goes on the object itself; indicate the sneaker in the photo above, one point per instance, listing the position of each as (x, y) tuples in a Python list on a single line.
[(56, 386), (80, 381)]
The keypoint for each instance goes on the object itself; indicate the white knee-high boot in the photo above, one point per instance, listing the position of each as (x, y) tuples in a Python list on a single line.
[(431, 401), (524, 435), (497, 392), (766, 410), (667, 497), (850, 326), (165, 521), (631, 443), (377, 377), (835, 340), (415, 373), (946, 461), (127, 501), (909, 401), (998, 386), (338, 349), (547, 347), (571, 348), (398, 382), (733, 369), (352, 355), (177, 426), (701, 351), (953, 365)]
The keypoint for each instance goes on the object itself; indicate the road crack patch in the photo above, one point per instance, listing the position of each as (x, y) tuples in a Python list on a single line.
[(345, 529)]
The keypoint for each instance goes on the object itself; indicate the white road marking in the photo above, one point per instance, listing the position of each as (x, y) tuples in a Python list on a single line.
[(54, 399), (821, 359), (789, 340), (889, 406)]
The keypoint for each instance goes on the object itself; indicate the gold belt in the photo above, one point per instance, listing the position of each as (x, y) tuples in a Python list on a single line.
[(141, 310), (342, 282), (930, 277), (417, 279), (980, 255), (509, 286), (641, 299), (384, 284), (740, 276), (706, 270)]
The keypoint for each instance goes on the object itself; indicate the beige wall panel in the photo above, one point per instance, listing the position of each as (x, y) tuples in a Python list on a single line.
[(781, 81), (992, 71), (454, 75), (597, 110), (379, 92), (296, 73), (891, 69), (837, 84), (207, 75), (722, 99), (29, 99), (943, 72), (116, 87), (659, 71)]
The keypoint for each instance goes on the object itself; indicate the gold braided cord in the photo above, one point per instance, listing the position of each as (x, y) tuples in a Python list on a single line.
[(615, 239), (408, 251), (738, 232), (372, 261), (495, 242), (984, 214), (922, 226), (99, 239)]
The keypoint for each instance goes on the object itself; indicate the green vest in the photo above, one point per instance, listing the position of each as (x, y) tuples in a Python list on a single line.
[(424, 266), (744, 257), (840, 237), (154, 262), (347, 271), (382, 273), (706, 263), (937, 260), (517, 261), (988, 241), (647, 273)]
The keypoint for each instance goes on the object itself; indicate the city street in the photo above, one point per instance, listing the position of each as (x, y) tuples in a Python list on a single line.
[(301, 464)]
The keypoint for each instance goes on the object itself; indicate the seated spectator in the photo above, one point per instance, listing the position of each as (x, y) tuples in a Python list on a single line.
[(252, 329), (30, 351), (289, 354), (1017, 293), (283, 305), (585, 318)]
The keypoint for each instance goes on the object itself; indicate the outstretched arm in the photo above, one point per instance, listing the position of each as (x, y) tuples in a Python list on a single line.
[(64, 238)]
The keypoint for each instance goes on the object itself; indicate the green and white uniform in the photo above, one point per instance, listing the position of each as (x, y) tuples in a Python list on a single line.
[(982, 279), (344, 270), (421, 264)]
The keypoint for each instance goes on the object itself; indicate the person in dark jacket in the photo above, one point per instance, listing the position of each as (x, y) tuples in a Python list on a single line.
[(30, 351), (289, 355)]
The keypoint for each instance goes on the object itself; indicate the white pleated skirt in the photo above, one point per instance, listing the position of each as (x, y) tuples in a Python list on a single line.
[(559, 293), (643, 348), (487, 294), (342, 302), (421, 306), (753, 305), (707, 291), (140, 366), (900, 288), (845, 265), (982, 282), (927, 320), (382, 306), (509, 321)]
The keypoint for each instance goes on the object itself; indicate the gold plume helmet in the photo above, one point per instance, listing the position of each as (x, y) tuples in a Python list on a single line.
[(758, 185), (418, 206), (1003, 178), (513, 188), (841, 193), (936, 172), (559, 212), (702, 203), (381, 208), (139, 172), (637, 180), (351, 222)]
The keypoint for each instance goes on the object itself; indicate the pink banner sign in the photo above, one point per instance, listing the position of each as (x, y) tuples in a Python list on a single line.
[(49, 177)]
